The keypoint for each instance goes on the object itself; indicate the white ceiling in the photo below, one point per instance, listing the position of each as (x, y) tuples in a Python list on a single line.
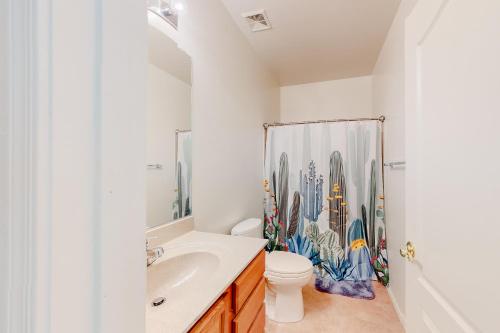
[(318, 40)]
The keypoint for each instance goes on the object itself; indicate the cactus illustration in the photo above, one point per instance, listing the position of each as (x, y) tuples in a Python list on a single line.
[(371, 213), (186, 147), (380, 214), (273, 182), (311, 189), (358, 254), (380, 235), (379, 261), (337, 197), (359, 147), (282, 196), (270, 161), (337, 269), (187, 210), (294, 215), (179, 188), (331, 255), (271, 224), (329, 244), (301, 244), (365, 222), (312, 232)]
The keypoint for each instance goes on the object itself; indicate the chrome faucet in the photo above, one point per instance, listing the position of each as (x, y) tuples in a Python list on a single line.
[(153, 254)]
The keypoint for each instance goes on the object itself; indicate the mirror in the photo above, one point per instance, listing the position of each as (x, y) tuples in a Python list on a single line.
[(168, 127)]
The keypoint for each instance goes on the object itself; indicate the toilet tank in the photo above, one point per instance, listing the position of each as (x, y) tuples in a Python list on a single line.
[(248, 228)]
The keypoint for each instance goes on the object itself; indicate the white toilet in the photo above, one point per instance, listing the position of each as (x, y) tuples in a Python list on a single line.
[(286, 273)]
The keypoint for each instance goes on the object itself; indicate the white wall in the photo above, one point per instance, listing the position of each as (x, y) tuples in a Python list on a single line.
[(169, 108), (346, 98), (389, 100), (232, 96)]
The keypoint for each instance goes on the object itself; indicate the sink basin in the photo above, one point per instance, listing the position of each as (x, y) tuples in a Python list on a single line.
[(180, 273)]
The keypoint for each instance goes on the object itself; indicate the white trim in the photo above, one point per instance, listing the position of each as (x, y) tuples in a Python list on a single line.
[(17, 141), (446, 306), (41, 51), (395, 304), (5, 58)]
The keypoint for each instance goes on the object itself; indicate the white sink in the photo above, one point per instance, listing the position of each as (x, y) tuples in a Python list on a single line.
[(180, 272), (194, 271)]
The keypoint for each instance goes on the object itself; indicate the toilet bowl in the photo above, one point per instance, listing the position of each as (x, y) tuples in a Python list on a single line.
[(286, 273)]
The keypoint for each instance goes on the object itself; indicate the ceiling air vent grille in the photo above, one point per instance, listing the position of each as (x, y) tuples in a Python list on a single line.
[(257, 20)]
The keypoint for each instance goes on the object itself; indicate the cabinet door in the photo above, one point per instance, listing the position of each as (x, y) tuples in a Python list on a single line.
[(229, 312), (214, 321), (248, 280), (250, 311)]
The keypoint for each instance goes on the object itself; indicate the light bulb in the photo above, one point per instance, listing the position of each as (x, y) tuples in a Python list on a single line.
[(179, 6)]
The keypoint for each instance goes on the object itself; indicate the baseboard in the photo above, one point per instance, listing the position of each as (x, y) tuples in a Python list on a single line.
[(400, 314)]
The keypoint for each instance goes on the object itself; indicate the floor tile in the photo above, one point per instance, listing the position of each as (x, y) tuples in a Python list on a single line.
[(333, 313)]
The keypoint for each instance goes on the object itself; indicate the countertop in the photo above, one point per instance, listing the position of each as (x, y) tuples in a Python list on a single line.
[(182, 310)]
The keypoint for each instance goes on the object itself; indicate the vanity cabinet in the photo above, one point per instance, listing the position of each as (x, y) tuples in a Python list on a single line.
[(241, 308), (218, 318)]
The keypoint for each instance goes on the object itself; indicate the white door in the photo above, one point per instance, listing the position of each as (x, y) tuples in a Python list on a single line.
[(453, 166)]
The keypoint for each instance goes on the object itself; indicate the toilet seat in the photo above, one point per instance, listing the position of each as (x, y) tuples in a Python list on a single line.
[(273, 275), (287, 264)]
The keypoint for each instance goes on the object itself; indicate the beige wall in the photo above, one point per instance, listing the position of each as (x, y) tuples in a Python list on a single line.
[(389, 100), (169, 108), (346, 98), (232, 96)]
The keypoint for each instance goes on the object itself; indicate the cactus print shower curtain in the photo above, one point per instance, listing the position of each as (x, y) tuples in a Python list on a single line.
[(181, 207), (324, 200)]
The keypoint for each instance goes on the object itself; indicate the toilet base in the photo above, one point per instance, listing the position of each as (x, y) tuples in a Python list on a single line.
[(284, 304)]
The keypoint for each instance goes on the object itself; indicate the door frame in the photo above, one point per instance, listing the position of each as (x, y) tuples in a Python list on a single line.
[(19, 121)]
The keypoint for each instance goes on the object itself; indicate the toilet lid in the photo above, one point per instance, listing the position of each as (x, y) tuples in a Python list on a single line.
[(287, 263), (245, 226)]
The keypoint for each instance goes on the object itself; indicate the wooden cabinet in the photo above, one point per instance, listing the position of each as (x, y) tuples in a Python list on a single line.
[(259, 321), (248, 280), (218, 319), (241, 308), (246, 316), (213, 321)]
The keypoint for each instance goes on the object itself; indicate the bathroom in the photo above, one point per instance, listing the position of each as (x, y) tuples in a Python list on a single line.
[(249, 166)]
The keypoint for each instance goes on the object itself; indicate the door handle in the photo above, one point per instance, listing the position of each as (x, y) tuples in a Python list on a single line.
[(408, 251)]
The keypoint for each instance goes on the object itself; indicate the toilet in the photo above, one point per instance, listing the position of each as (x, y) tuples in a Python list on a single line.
[(286, 273)]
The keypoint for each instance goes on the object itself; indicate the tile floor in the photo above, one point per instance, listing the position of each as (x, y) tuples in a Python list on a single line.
[(332, 313)]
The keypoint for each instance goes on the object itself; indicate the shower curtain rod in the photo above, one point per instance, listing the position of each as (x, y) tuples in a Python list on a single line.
[(381, 118), (267, 125)]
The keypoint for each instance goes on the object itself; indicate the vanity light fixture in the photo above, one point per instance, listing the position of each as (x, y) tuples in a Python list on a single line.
[(179, 6), (166, 10)]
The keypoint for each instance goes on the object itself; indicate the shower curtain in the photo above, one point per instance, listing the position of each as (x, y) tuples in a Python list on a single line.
[(182, 205), (324, 200)]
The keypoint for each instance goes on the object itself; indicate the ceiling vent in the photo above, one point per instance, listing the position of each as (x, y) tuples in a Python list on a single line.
[(257, 20)]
